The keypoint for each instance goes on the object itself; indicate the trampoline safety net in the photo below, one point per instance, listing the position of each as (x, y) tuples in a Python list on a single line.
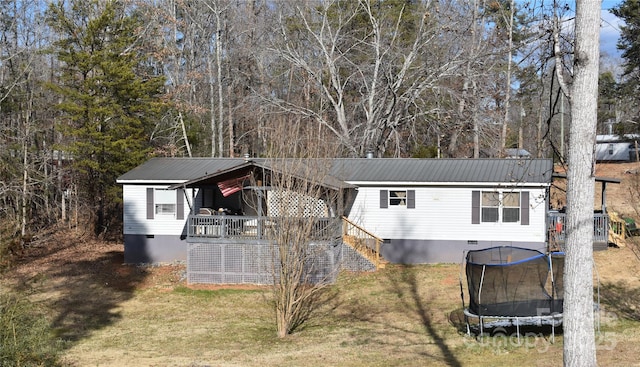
[(514, 282)]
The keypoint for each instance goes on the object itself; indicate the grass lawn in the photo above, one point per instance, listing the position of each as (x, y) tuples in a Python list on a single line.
[(109, 314), (402, 315)]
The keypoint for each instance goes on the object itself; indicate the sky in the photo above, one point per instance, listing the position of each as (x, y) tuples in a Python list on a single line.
[(610, 25), (610, 28)]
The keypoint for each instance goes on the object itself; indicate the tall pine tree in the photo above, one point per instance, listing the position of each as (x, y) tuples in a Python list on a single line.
[(108, 99), (629, 44)]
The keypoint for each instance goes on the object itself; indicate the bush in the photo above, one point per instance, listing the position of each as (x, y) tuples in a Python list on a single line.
[(25, 335)]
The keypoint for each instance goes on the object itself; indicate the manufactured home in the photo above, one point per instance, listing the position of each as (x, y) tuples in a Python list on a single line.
[(411, 210), (617, 148)]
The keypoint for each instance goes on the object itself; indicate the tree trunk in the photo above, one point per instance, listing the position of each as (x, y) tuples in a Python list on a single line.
[(212, 107), (579, 338), (185, 137), (539, 136), (219, 75), (507, 95), (25, 181)]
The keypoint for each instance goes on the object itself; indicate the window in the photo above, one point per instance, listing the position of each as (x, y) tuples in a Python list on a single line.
[(398, 198), (165, 202), (500, 207), (401, 198), (510, 207), (610, 148), (490, 206)]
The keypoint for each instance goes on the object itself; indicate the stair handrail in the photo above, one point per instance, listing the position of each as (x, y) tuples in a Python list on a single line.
[(366, 234)]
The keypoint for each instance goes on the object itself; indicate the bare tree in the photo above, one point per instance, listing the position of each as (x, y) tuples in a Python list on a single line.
[(476, 96), (372, 68), (182, 30), (507, 95), (27, 190), (542, 73), (579, 339), (303, 209)]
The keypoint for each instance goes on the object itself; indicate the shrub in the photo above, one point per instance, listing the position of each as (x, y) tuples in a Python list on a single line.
[(26, 338)]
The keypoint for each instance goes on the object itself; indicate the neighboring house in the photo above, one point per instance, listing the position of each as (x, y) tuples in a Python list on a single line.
[(425, 210), (616, 148), (517, 153)]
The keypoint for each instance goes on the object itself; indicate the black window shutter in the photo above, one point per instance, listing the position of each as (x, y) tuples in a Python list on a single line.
[(411, 199), (475, 207), (150, 206), (180, 204), (384, 199), (524, 208)]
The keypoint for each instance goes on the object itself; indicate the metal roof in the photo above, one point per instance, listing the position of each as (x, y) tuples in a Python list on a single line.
[(358, 170), (178, 169), (444, 170)]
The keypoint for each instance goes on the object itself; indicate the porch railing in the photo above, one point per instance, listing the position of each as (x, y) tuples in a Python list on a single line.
[(258, 228), (557, 227)]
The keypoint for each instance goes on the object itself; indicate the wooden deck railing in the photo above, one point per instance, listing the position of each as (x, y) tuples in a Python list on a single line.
[(363, 241), (256, 228), (250, 228)]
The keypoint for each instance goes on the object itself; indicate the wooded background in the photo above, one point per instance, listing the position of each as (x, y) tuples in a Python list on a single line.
[(90, 89)]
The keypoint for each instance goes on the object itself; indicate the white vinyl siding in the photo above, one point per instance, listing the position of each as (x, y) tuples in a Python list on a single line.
[(444, 213), (135, 215)]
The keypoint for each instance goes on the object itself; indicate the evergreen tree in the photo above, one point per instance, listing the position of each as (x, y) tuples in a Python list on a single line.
[(109, 101), (629, 42), (607, 101)]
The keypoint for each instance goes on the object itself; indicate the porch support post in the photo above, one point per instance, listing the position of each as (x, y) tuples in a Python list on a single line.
[(188, 199), (604, 197), (259, 224)]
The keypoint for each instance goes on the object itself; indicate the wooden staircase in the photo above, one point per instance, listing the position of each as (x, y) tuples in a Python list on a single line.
[(620, 229), (363, 242)]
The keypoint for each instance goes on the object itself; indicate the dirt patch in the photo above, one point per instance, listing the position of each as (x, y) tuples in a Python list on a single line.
[(622, 198), (65, 254)]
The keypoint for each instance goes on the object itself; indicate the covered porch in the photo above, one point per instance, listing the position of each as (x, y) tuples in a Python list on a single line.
[(239, 216)]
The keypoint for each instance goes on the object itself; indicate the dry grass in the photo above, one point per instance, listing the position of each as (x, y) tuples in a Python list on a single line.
[(402, 315), (115, 315)]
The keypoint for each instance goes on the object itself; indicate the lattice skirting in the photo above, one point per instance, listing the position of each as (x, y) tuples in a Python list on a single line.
[(251, 263)]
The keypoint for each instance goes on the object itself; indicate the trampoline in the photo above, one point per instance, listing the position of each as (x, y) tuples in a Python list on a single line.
[(513, 286)]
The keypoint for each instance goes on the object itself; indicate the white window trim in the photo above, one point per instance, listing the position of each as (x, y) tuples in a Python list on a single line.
[(163, 198), (500, 206), (398, 199)]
